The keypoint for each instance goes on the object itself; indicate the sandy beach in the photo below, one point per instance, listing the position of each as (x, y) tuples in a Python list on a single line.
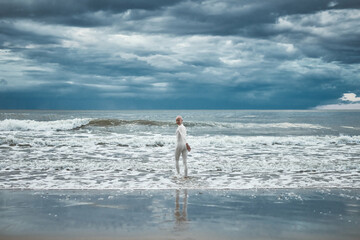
[(180, 214)]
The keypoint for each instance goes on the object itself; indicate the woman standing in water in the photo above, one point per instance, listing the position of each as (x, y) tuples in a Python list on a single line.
[(181, 146)]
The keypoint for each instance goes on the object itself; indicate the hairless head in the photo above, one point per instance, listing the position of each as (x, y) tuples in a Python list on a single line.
[(179, 120)]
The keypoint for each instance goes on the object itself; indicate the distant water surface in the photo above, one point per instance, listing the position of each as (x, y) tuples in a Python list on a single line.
[(135, 149)]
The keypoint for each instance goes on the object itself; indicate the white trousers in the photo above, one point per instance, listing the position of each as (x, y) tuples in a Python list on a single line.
[(183, 151)]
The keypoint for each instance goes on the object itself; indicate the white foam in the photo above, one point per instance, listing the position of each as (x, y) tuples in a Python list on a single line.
[(68, 124), (84, 160), (283, 125), (26, 125), (150, 141)]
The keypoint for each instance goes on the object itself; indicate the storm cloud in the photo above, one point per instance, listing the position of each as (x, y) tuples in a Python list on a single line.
[(276, 54)]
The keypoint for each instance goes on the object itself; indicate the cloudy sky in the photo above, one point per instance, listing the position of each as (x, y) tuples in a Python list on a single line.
[(161, 54)]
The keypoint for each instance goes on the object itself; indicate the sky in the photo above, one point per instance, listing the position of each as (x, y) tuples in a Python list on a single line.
[(161, 54)]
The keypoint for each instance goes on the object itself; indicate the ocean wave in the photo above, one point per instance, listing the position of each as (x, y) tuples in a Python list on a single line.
[(78, 123), (258, 141), (145, 122), (282, 125), (87, 140), (350, 127), (236, 125), (83, 160), (119, 122), (26, 125)]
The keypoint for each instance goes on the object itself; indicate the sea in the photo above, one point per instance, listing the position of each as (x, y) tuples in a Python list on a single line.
[(130, 150)]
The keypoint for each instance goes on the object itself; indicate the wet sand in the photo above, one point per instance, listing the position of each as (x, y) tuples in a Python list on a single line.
[(180, 214)]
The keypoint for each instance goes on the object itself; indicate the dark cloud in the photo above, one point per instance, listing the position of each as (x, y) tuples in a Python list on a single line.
[(248, 18), (83, 13), (247, 96), (188, 17), (94, 64), (149, 54), (3, 82), (66, 8), (258, 19), (10, 37)]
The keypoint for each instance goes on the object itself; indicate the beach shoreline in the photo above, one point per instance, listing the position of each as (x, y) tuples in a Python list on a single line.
[(180, 214)]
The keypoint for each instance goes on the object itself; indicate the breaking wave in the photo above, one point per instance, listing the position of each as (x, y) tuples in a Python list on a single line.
[(119, 122), (26, 125), (87, 141), (77, 123)]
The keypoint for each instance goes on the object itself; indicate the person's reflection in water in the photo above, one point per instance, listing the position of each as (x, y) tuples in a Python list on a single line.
[(181, 216)]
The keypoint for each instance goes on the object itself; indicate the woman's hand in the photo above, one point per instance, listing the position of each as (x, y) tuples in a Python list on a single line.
[(188, 147)]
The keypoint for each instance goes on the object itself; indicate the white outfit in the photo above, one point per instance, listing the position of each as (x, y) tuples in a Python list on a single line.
[(181, 148)]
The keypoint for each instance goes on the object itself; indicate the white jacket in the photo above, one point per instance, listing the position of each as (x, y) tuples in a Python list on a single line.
[(181, 135)]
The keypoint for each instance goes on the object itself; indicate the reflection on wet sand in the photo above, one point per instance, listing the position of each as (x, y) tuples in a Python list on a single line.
[(262, 214), (181, 216)]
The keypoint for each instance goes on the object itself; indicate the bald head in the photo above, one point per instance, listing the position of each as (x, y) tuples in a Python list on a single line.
[(179, 120)]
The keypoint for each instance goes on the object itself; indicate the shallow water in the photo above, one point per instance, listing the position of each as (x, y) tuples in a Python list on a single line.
[(135, 149), (180, 214)]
